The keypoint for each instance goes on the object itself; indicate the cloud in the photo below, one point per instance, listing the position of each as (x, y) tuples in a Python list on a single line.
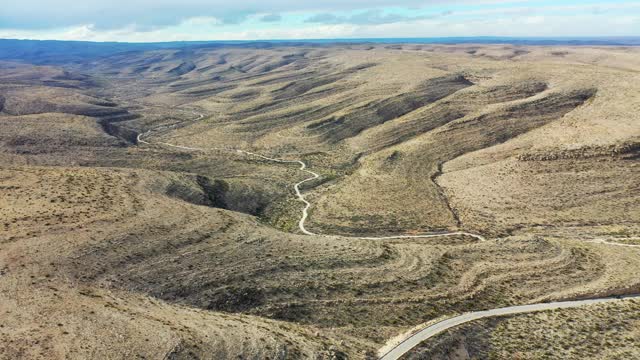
[(517, 26), (42, 14), (202, 21), (370, 17), (271, 18), (168, 20), (325, 18)]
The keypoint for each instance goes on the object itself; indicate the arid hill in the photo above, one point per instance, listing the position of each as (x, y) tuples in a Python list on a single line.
[(130, 218)]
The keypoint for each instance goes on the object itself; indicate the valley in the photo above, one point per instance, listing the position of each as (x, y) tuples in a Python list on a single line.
[(318, 201)]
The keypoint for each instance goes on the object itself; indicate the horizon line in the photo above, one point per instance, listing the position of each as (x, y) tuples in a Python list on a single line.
[(355, 39)]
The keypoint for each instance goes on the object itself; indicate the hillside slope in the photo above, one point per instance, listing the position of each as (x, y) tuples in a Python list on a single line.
[(128, 213)]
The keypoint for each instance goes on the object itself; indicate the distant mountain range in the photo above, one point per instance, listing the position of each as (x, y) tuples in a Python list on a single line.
[(54, 51)]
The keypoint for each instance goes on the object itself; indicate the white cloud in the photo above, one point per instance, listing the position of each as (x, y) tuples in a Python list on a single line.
[(39, 14), (202, 21), (533, 20), (516, 24)]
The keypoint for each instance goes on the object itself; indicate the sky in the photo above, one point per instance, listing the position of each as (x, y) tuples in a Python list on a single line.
[(193, 20)]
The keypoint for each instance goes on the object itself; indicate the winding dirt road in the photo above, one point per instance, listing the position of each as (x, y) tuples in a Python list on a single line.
[(298, 191), (414, 339)]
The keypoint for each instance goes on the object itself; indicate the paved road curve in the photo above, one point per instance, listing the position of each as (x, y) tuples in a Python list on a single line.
[(437, 328)]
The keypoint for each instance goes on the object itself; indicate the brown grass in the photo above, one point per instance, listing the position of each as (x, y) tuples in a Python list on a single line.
[(153, 251)]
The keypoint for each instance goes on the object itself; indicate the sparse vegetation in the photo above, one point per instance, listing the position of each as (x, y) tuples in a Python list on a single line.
[(606, 331), (139, 249)]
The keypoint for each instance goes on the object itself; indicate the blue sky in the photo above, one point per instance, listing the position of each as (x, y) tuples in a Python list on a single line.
[(170, 20)]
